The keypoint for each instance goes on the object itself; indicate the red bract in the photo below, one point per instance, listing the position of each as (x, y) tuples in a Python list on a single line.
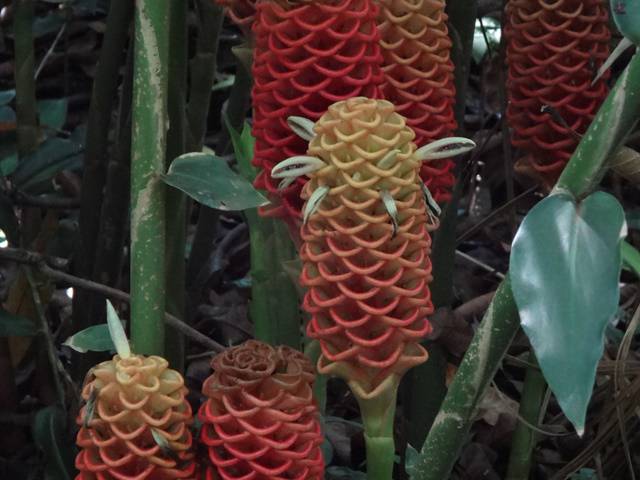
[(260, 421), (241, 12), (135, 425), (307, 56), (368, 293), (554, 50), (419, 77)]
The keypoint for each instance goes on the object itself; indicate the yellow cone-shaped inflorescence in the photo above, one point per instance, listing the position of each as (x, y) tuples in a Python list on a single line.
[(135, 422), (366, 246)]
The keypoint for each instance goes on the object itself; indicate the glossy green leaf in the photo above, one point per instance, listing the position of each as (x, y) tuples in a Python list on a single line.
[(95, 339), (7, 116), (492, 33), (565, 266), (15, 326), (209, 180), (52, 438), (585, 474), (53, 113), (626, 14)]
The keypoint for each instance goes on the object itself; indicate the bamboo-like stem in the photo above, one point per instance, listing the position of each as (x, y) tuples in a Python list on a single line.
[(151, 59), (236, 109), (176, 201), (24, 72), (203, 68), (613, 122), (524, 438), (103, 101)]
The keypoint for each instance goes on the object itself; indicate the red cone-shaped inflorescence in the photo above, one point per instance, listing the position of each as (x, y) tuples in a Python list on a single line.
[(308, 55), (241, 12), (419, 77), (368, 293), (554, 50), (135, 424), (259, 420)]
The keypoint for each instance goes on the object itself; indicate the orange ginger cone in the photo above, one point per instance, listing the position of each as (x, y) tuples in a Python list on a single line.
[(553, 52), (419, 77), (135, 425), (366, 254), (259, 420)]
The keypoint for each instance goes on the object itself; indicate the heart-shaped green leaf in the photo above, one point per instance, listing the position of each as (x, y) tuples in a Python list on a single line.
[(209, 180), (565, 266), (626, 14)]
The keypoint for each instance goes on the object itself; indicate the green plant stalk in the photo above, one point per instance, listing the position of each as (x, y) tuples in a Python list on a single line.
[(103, 100), (524, 438), (26, 110), (151, 58), (176, 201), (631, 257), (203, 67), (614, 121), (377, 417)]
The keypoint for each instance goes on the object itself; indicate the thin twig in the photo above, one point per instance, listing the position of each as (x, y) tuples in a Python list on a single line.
[(53, 46), (480, 264), (46, 266)]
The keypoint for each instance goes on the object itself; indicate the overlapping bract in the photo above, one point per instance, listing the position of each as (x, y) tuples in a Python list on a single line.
[(554, 50), (241, 12), (131, 400), (307, 56), (259, 420), (368, 292), (419, 77)]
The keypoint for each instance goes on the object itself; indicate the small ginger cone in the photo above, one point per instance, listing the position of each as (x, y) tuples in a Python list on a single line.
[(308, 55), (553, 54), (135, 425), (259, 421), (366, 254), (418, 77)]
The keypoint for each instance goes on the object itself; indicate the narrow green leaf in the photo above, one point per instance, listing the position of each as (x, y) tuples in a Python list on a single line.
[(209, 180), (116, 332), (95, 339), (626, 14), (15, 326), (565, 267), (243, 145), (51, 436)]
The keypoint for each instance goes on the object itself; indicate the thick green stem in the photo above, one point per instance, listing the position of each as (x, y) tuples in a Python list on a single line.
[(377, 416), (151, 59), (524, 438), (176, 201), (103, 101), (614, 121), (26, 111)]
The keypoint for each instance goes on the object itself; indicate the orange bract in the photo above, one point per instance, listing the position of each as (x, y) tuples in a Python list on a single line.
[(419, 77), (259, 419), (368, 292), (554, 50), (135, 399)]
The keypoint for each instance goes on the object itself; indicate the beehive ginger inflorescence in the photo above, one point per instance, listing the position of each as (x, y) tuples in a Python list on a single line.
[(366, 241)]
